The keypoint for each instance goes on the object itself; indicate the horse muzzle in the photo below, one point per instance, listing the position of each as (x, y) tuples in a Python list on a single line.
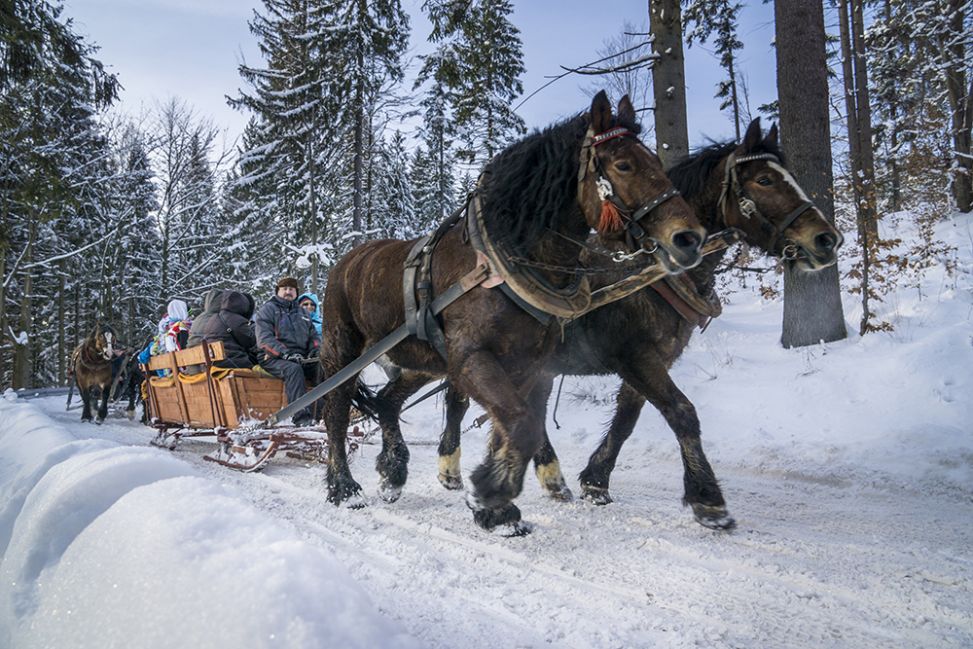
[(681, 251)]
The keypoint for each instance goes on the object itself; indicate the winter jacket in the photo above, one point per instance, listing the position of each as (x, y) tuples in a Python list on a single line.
[(231, 326), (174, 327), (211, 306), (284, 328), (316, 314)]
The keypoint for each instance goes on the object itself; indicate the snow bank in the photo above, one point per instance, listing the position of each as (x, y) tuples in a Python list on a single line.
[(89, 527)]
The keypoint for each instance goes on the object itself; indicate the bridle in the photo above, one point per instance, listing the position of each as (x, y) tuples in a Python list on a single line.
[(635, 233), (748, 208)]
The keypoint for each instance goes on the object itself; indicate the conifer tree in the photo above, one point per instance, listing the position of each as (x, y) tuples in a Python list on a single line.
[(703, 19), (485, 63)]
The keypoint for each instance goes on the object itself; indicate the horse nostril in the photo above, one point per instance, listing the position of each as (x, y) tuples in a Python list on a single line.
[(687, 241), (826, 242)]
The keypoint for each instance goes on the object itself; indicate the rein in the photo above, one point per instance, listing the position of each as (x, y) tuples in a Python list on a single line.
[(747, 206)]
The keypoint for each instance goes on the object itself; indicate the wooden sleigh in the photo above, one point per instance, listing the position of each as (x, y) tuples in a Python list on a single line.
[(197, 399)]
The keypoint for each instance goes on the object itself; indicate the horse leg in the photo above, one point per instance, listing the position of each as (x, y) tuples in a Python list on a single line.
[(85, 392), (345, 347), (546, 465), (392, 462), (457, 403), (103, 408), (702, 491), (595, 477), (514, 438)]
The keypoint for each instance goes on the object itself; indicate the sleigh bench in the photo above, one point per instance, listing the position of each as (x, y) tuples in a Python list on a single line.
[(212, 399)]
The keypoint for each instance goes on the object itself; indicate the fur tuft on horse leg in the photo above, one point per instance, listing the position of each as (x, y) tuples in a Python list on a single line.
[(548, 471), (495, 483), (702, 491), (449, 471), (392, 465), (504, 520), (457, 404)]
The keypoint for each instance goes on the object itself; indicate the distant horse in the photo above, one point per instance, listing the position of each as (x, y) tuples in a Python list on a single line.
[(130, 386), (92, 364), (640, 337), (536, 204)]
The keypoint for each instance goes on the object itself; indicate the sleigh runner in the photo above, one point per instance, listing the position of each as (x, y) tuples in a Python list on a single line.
[(197, 399)]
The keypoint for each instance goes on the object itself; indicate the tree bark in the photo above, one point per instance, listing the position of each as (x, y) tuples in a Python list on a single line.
[(22, 360), (3, 317), (61, 351), (669, 81), (961, 109), (812, 302)]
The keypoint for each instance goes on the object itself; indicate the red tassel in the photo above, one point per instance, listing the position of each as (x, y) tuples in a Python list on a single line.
[(611, 220)]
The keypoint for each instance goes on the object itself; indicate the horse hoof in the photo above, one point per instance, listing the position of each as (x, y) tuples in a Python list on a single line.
[(356, 501), (595, 495), (347, 493), (99, 420), (561, 493), (506, 517), (513, 530), (714, 518), (389, 492), (130, 414), (451, 482)]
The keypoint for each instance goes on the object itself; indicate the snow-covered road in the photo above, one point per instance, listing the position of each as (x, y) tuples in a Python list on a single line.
[(848, 466), (818, 560)]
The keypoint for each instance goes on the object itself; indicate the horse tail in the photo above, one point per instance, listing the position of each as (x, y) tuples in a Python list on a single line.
[(368, 403)]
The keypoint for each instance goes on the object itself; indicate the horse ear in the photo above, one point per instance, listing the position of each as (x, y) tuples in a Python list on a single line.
[(601, 113), (626, 111), (752, 137), (771, 139)]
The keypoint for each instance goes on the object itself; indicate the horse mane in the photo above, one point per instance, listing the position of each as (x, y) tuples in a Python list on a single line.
[(691, 174), (533, 184)]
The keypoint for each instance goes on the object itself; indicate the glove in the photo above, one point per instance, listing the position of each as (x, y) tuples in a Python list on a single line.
[(294, 358)]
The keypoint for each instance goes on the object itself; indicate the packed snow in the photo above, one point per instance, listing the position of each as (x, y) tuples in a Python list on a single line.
[(849, 468)]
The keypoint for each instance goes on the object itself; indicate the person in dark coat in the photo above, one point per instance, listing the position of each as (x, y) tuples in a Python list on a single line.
[(286, 337), (231, 326), (211, 306)]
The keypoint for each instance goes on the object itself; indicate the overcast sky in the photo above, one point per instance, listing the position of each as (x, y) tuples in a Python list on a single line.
[(190, 49)]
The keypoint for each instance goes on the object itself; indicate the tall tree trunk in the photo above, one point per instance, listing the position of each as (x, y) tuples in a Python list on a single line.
[(961, 109), (132, 341), (812, 302), (3, 317), (61, 327), (669, 81), (736, 101), (359, 143), (22, 361), (863, 105), (312, 208)]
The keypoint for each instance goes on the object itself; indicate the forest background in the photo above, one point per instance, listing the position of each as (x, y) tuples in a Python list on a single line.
[(351, 135)]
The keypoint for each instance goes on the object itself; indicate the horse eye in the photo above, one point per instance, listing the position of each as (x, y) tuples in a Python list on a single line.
[(765, 181), (623, 166)]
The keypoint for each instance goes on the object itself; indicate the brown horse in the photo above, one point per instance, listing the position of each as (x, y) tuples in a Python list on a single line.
[(92, 365), (640, 337), (538, 201)]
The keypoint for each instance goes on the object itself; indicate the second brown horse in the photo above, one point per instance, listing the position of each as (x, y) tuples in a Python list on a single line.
[(539, 199)]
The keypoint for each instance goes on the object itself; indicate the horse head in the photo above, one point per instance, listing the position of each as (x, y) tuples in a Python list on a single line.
[(761, 198), (625, 193), (103, 339)]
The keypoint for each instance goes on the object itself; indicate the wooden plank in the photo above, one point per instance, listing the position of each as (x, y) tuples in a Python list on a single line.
[(184, 357), (196, 356)]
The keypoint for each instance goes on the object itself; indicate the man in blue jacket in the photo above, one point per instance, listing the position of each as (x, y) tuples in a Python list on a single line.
[(287, 337)]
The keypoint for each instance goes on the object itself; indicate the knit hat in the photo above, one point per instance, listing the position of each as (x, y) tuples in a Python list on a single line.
[(288, 281)]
